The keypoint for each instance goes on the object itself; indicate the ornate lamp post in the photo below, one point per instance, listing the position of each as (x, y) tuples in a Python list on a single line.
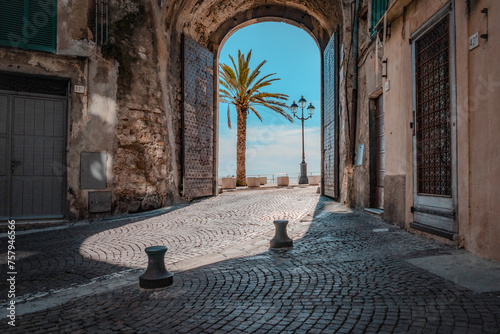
[(302, 103)]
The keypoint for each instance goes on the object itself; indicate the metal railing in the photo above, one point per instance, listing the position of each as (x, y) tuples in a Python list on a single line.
[(272, 178)]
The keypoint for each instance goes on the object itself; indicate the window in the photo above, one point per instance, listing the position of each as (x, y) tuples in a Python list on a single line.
[(378, 9), (28, 24)]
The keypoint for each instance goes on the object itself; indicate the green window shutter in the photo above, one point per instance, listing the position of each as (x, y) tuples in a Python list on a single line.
[(11, 23), (29, 24), (378, 9), (42, 18)]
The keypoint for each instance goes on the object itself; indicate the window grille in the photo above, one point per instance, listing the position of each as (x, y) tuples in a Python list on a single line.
[(377, 10), (29, 24), (433, 114), (101, 21)]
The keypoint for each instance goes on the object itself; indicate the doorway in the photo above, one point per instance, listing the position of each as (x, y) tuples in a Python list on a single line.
[(379, 153), (434, 140), (33, 148)]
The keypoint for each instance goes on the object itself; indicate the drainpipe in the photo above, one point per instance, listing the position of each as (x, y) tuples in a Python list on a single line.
[(96, 22), (355, 42)]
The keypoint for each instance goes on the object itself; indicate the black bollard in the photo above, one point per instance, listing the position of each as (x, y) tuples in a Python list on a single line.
[(281, 239), (156, 275)]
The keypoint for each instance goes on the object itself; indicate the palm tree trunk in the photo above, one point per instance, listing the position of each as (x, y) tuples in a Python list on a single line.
[(241, 146)]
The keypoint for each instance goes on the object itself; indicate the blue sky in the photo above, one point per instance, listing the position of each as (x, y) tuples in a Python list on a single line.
[(275, 146)]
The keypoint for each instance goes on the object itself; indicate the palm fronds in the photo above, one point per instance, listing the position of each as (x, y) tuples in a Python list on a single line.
[(242, 87)]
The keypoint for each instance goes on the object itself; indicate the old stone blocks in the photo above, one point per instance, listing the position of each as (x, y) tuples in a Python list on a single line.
[(281, 239), (253, 181), (228, 183), (263, 180), (156, 275), (283, 180), (314, 180)]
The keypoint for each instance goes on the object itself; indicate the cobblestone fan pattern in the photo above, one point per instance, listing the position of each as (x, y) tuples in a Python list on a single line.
[(58, 259), (341, 277)]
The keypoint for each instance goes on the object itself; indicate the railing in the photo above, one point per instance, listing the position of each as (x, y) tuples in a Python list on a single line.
[(272, 178)]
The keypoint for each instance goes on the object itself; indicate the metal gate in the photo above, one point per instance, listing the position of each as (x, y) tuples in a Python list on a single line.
[(198, 118), (330, 121), (435, 119), (32, 147)]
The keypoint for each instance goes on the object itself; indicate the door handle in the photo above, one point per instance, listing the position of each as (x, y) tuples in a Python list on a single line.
[(14, 164)]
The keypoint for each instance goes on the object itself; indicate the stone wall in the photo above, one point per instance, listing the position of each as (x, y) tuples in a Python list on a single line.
[(142, 159)]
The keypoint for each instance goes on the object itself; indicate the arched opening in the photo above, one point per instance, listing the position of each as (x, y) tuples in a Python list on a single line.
[(205, 32), (274, 146)]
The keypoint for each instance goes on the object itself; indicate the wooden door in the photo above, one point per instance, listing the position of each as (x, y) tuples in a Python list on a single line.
[(380, 153)]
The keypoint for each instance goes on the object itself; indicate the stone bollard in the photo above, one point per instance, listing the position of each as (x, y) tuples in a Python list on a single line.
[(281, 239), (156, 275), (253, 182), (283, 181)]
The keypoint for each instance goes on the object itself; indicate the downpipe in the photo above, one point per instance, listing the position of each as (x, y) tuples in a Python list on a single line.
[(355, 43)]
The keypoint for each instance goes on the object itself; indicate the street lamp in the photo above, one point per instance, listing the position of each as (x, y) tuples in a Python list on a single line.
[(302, 103)]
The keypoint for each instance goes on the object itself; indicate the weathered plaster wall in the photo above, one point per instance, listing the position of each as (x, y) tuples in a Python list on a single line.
[(477, 121), (483, 231), (92, 127), (74, 37), (122, 112), (369, 87)]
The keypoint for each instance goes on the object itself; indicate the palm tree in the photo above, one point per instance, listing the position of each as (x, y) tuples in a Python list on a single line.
[(242, 88)]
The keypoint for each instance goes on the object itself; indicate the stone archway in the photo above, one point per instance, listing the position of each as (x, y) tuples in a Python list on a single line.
[(218, 41), (274, 13), (210, 23)]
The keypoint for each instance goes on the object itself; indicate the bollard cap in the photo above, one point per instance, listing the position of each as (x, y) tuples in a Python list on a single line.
[(156, 249), (281, 221)]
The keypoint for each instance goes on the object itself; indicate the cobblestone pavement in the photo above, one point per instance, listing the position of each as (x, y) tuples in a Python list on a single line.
[(57, 260), (348, 274)]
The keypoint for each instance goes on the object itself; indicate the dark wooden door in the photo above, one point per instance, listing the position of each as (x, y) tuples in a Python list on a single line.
[(380, 153)]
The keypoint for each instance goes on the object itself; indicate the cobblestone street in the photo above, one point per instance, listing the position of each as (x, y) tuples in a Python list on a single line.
[(347, 272)]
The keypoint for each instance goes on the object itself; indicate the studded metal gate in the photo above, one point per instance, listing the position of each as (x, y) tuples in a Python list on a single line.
[(198, 118), (330, 122)]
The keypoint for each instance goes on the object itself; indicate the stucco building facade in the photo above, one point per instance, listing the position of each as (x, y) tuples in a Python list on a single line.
[(110, 107)]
